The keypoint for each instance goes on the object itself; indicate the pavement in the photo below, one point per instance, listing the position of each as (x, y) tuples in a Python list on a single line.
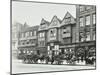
[(19, 67)]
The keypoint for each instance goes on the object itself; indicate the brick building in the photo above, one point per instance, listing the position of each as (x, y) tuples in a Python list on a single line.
[(28, 41), (16, 28), (86, 31)]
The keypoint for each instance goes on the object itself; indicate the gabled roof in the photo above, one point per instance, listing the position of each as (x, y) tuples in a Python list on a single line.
[(55, 18), (43, 25), (43, 21), (68, 15)]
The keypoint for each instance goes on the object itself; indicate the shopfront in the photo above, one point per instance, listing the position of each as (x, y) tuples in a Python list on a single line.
[(53, 48), (86, 52)]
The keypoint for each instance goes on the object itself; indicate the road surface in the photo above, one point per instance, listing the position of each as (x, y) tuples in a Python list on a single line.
[(19, 67)]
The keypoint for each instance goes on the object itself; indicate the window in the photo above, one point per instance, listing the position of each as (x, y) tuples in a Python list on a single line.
[(27, 42), (42, 34), (48, 48), (87, 36), (39, 34), (82, 37), (22, 35), (81, 8), (30, 33), (52, 33), (87, 20), (27, 34), (94, 18), (42, 43), (14, 44), (81, 22), (94, 36), (32, 41), (24, 51), (23, 42), (28, 51), (68, 19), (64, 30), (88, 7), (34, 33)]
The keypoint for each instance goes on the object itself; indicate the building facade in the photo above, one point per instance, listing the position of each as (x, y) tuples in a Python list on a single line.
[(86, 31), (53, 41), (69, 36), (28, 41), (16, 28), (61, 35), (42, 37)]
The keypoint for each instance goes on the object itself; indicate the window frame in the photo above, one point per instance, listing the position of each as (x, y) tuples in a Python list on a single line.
[(81, 8), (87, 22), (94, 18), (87, 36), (81, 22)]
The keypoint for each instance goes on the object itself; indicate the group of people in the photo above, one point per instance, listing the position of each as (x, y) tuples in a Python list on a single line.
[(91, 60), (56, 59)]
